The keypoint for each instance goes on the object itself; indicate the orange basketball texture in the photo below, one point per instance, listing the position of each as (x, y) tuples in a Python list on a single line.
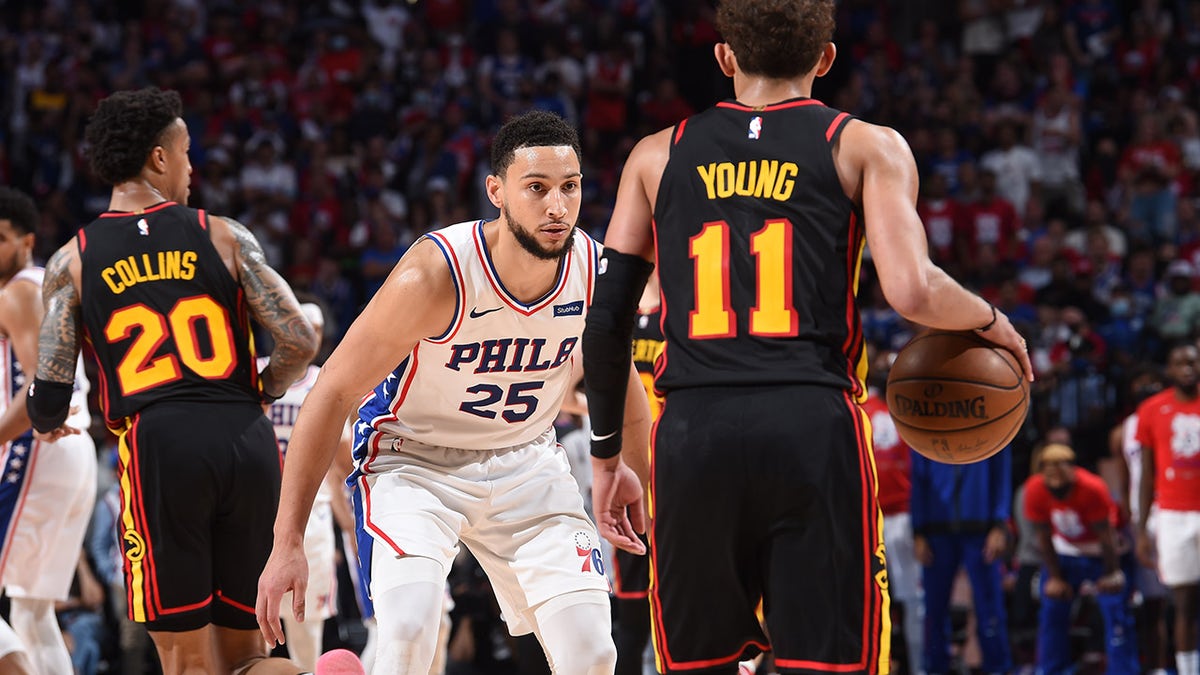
[(955, 397)]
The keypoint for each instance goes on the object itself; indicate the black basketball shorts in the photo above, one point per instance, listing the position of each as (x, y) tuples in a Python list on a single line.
[(765, 504), (199, 491)]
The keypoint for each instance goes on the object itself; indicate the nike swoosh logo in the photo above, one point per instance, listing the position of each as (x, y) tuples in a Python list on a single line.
[(476, 314), (605, 437)]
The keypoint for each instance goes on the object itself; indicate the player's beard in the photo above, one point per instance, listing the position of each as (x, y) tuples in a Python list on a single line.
[(530, 243)]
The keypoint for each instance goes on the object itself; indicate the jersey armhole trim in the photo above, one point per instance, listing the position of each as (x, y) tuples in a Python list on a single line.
[(679, 130), (202, 216), (81, 241), (836, 126), (459, 286)]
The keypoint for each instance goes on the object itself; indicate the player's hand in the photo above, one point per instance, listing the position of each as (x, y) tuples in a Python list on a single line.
[(56, 434), (1057, 589), (617, 504), (1003, 334), (1145, 550), (286, 570), (921, 550), (1111, 583), (995, 544)]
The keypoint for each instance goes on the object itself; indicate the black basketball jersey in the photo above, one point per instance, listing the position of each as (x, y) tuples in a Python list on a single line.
[(759, 251), (647, 345), (162, 315)]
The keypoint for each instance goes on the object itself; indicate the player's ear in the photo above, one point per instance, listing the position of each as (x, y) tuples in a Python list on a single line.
[(493, 186), (725, 58), (825, 62)]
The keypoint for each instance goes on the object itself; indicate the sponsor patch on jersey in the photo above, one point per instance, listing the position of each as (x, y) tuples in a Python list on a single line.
[(569, 309), (755, 131)]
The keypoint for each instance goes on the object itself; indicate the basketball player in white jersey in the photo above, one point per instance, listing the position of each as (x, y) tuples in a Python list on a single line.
[(47, 488), (1125, 448), (305, 637), (456, 443)]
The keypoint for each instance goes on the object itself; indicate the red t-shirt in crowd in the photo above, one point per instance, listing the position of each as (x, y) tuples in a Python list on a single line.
[(892, 461), (1171, 428), (1071, 518)]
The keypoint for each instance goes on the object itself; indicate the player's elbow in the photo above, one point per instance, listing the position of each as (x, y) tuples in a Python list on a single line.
[(909, 293), (302, 341)]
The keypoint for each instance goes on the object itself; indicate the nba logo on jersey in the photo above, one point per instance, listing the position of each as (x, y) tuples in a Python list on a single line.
[(143, 227), (755, 128)]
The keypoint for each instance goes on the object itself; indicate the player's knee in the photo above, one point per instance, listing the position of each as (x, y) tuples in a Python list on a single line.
[(591, 655)]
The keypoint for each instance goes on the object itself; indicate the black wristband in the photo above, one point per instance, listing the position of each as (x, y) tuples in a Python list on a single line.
[(991, 323), (48, 404), (268, 399)]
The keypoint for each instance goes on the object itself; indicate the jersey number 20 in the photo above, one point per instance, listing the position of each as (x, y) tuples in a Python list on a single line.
[(139, 369), (773, 315)]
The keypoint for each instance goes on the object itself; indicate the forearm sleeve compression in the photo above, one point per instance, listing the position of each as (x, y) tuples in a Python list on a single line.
[(607, 345), (48, 404)]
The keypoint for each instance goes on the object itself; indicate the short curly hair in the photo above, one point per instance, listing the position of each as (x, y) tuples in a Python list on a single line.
[(532, 130), (779, 39), (18, 208), (125, 128)]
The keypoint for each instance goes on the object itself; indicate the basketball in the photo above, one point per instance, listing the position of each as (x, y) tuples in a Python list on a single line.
[(955, 397)]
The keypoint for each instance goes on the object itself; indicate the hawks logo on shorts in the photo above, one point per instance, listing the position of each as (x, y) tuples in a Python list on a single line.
[(135, 546), (593, 560)]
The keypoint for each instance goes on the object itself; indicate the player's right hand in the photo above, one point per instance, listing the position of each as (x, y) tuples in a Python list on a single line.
[(1005, 335), (1145, 550), (286, 570), (1057, 588), (618, 505)]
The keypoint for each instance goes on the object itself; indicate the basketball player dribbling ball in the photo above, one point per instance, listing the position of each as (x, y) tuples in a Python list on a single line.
[(47, 488), (163, 296), (755, 212), (468, 345)]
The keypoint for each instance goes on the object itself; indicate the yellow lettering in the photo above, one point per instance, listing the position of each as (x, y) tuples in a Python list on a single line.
[(138, 275), (745, 178), (107, 275), (707, 174), (785, 182), (724, 180), (171, 268), (766, 178), (188, 265), (125, 272), (151, 273)]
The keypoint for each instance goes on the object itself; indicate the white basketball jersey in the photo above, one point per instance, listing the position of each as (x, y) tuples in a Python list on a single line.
[(1133, 459), (14, 377), (283, 412), (496, 377)]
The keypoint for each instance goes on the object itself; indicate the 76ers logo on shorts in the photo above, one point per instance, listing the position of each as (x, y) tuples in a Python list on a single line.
[(592, 559)]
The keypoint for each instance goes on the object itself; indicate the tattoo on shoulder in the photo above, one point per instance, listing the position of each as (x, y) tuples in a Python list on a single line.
[(58, 339)]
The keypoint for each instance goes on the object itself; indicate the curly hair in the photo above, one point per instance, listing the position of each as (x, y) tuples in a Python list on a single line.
[(779, 39), (125, 128), (17, 208), (531, 130)]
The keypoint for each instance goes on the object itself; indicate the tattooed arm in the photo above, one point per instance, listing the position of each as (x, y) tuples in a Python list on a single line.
[(60, 335), (271, 303), (48, 398)]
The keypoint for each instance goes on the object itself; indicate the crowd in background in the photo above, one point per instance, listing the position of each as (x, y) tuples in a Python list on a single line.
[(1058, 144)]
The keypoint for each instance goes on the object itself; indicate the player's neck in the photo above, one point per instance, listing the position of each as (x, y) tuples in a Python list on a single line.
[(135, 195), (758, 92), (527, 277), (1186, 395)]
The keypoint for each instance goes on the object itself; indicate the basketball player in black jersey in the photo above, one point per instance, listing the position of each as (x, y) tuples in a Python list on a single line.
[(162, 296), (763, 480)]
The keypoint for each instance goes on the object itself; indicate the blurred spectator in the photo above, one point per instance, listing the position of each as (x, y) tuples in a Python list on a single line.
[(1056, 135), (1014, 166), (1075, 520), (990, 220), (1176, 313), (942, 215)]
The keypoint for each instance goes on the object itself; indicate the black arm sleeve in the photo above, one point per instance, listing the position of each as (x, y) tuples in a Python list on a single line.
[(48, 404), (608, 346)]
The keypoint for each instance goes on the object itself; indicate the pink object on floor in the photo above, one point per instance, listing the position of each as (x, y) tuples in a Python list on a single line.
[(339, 662)]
